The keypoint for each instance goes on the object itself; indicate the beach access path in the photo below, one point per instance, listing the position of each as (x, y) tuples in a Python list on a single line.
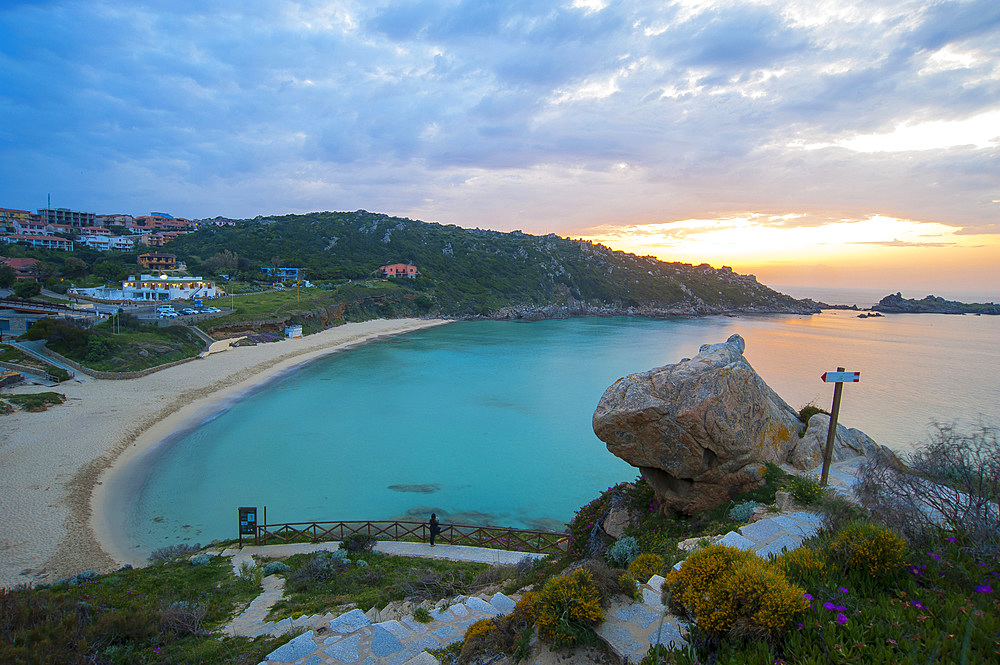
[(55, 465)]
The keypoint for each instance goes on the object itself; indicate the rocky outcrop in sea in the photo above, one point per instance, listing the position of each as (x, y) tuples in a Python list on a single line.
[(701, 430), (895, 303)]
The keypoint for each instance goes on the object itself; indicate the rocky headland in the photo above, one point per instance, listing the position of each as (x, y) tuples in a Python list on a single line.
[(895, 303), (702, 430)]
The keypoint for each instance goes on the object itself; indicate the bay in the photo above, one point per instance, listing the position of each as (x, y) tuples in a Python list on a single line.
[(490, 422)]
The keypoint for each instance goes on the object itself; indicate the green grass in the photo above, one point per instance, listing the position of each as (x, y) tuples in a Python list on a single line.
[(36, 401), (150, 616), (382, 580), (12, 355), (317, 308)]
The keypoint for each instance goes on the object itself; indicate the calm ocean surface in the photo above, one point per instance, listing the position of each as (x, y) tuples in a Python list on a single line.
[(490, 422)]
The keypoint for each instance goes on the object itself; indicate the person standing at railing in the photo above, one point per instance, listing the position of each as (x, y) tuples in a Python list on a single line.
[(434, 527)]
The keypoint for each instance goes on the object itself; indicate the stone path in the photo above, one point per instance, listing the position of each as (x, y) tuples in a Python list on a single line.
[(359, 638), (354, 638), (252, 622)]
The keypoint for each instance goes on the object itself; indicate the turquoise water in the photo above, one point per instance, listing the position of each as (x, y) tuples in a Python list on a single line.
[(490, 422)]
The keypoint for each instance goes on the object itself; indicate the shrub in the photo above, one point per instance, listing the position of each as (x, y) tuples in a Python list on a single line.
[(421, 615), (276, 567), (569, 607), (804, 565), (604, 579), (479, 628), (875, 550), (807, 412), (183, 618), (320, 567), (201, 560), (358, 542), (623, 552), (730, 592), (629, 586), (251, 573), (170, 552), (742, 512), (805, 490), (645, 566), (953, 482)]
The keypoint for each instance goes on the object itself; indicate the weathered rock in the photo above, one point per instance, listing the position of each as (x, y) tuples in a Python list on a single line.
[(701, 430), (848, 443), (619, 517)]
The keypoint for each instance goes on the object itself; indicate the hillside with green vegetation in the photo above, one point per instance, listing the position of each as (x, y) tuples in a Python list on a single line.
[(473, 272)]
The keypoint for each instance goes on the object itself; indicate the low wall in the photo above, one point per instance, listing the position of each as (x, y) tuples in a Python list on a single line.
[(23, 369), (113, 375)]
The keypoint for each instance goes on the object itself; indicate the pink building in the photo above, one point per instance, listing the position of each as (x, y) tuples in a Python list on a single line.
[(399, 270)]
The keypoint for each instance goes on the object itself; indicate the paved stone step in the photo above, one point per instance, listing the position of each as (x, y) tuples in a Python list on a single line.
[(353, 637)]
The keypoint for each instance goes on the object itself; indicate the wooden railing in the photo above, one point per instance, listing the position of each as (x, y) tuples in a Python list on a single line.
[(502, 538)]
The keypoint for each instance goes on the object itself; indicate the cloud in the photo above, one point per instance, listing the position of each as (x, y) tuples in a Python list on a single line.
[(542, 115)]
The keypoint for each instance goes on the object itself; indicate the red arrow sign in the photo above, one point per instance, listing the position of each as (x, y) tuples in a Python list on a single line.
[(841, 377)]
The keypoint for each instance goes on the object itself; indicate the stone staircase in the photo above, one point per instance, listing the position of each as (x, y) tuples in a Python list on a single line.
[(353, 637)]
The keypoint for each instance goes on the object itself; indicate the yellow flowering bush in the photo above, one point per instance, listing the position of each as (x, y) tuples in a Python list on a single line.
[(803, 564), (479, 629), (876, 550), (568, 608), (728, 591), (525, 612), (645, 566)]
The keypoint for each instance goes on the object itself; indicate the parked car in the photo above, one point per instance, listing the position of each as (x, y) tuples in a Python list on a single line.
[(165, 308), (210, 310), (188, 310), (168, 315)]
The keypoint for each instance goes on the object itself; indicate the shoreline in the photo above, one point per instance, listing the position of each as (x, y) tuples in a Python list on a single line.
[(62, 469)]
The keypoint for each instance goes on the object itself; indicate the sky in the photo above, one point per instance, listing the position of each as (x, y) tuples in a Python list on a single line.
[(822, 142)]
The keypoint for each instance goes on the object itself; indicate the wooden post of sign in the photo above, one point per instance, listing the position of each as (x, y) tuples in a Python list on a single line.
[(838, 388)]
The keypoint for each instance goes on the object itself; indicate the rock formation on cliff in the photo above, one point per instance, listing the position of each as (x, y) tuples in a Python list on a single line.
[(701, 430)]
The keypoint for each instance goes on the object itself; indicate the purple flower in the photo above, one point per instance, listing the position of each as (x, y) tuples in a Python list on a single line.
[(807, 596), (934, 556), (916, 603), (984, 588), (842, 590), (828, 605), (841, 619), (951, 539)]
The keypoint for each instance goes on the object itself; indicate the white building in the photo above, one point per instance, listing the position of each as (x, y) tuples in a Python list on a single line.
[(152, 288), (104, 243)]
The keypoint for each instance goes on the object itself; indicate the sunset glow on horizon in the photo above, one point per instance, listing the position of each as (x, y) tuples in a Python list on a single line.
[(798, 248)]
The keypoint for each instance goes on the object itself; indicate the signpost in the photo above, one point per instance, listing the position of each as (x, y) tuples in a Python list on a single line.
[(838, 378), (248, 522)]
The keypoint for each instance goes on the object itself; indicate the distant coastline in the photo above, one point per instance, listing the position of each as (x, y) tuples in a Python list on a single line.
[(897, 304)]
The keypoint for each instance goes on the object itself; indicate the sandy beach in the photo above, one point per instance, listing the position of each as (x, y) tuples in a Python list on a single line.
[(56, 465)]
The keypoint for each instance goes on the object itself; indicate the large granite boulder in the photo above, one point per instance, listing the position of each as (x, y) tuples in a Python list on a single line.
[(701, 430), (848, 443)]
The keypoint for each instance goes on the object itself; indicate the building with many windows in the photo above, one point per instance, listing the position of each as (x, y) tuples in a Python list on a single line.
[(104, 243), (154, 288), (10, 216), (66, 216), (43, 242), (157, 261)]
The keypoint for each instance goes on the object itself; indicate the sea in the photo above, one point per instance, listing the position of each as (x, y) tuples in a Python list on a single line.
[(489, 422)]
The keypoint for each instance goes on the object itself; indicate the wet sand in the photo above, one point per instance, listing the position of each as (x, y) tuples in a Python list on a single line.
[(56, 466)]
